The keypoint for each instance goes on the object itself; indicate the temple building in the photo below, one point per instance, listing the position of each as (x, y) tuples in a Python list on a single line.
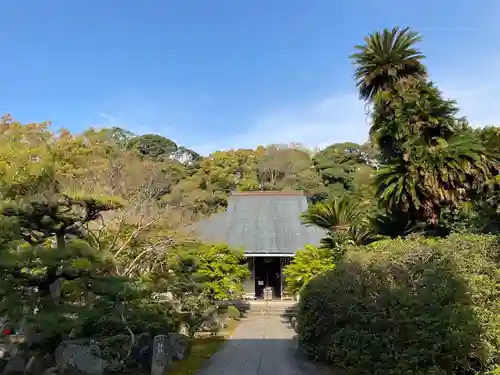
[(267, 226)]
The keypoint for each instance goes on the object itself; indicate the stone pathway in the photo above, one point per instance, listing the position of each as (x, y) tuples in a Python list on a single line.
[(261, 345)]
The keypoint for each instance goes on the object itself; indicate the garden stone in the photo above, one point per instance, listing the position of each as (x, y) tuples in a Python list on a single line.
[(51, 371), (4, 349), (114, 367), (15, 365), (184, 330), (3, 363), (38, 364), (81, 355), (179, 345), (211, 325), (141, 352), (22, 343)]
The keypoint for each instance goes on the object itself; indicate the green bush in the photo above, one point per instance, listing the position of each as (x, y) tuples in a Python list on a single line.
[(223, 270), (107, 320), (306, 264), (407, 306), (233, 313)]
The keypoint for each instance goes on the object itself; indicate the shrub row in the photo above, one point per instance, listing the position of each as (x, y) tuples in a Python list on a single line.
[(408, 306)]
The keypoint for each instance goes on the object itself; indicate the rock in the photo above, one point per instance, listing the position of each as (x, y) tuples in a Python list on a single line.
[(51, 371), (20, 345), (141, 352), (3, 363), (82, 355), (114, 367), (162, 357), (179, 345), (29, 339), (15, 365), (4, 349), (38, 364), (73, 333), (211, 325), (184, 330)]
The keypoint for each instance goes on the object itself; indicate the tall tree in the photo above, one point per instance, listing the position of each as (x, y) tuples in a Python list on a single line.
[(343, 165), (154, 145), (429, 159), (412, 109), (385, 58), (280, 165)]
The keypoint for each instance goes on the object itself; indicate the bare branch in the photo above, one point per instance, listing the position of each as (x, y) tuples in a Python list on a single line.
[(134, 234)]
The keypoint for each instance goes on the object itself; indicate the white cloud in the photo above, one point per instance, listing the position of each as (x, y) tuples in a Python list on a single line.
[(475, 86), (322, 122), (337, 117), (341, 117), (479, 105), (103, 120), (107, 117)]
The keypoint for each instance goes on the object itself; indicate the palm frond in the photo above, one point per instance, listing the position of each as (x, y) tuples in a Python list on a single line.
[(337, 215), (385, 58)]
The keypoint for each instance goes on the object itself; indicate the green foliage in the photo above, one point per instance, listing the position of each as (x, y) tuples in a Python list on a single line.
[(90, 227), (119, 304), (414, 306), (26, 163), (233, 313), (337, 215), (413, 108), (342, 164), (200, 274), (306, 264), (223, 270), (430, 157), (430, 161), (386, 58), (342, 219), (153, 145)]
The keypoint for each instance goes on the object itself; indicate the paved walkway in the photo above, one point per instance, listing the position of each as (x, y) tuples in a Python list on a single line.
[(261, 345)]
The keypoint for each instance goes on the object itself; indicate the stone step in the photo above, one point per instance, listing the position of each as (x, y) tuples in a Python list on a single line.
[(275, 311), (272, 312), (273, 308)]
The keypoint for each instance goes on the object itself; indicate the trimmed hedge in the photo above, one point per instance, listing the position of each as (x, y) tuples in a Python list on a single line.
[(408, 306)]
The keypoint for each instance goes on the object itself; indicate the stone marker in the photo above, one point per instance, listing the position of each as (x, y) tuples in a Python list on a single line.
[(161, 355)]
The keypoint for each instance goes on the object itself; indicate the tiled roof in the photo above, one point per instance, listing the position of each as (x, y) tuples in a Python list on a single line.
[(262, 223)]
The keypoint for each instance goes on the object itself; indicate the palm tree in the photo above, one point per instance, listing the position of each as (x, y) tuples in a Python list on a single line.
[(385, 58), (336, 215), (429, 177), (412, 109), (342, 219)]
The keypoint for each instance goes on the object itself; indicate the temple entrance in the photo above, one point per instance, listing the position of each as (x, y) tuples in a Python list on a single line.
[(267, 271)]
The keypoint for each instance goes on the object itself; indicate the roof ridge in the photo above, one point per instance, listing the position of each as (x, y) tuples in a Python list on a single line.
[(269, 192)]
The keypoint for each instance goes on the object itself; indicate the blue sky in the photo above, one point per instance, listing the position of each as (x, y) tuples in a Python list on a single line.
[(224, 73)]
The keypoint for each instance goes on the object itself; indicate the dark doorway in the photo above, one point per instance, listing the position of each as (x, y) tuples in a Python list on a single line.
[(267, 273)]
